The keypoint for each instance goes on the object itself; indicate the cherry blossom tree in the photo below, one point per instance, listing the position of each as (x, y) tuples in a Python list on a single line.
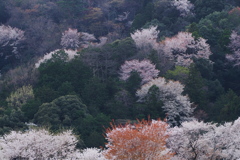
[(10, 38), (70, 39), (226, 137), (143, 140), (176, 106), (146, 39), (235, 47), (204, 141), (188, 141), (90, 154), (38, 144), (183, 48), (185, 7), (145, 68)]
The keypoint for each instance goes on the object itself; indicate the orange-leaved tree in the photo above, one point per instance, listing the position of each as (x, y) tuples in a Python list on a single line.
[(144, 140)]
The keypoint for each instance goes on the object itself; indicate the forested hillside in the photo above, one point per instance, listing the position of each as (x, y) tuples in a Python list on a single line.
[(85, 73)]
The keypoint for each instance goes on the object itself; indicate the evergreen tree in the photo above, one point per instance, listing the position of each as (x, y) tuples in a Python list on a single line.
[(195, 88)]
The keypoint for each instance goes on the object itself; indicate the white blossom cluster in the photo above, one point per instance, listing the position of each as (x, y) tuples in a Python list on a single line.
[(71, 54), (70, 39), (176, 105), (235, 47), (185, 7), (90, 154), (38, 144), (146, 38), (198, 140), (145, 68), (182, 48), (11, 37)]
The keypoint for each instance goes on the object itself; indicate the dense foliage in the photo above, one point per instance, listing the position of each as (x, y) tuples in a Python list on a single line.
[(77, 64)]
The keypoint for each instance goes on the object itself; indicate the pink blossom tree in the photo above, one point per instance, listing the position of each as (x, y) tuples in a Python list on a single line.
[(70, 39), (145, 68), (183, 48), (146, 39)]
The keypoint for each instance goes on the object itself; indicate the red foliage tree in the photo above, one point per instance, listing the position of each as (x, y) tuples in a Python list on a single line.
[(140, 141)]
